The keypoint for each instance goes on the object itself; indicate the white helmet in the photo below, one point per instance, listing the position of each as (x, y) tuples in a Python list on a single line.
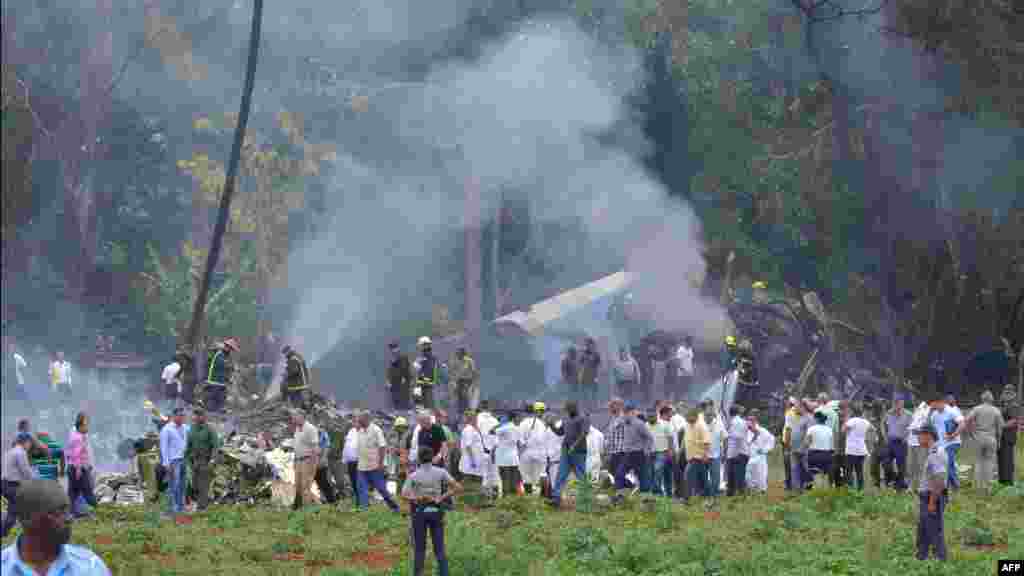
[(424, 341)]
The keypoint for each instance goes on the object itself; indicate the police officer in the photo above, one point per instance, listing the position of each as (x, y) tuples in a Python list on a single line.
[(934, 478), (295, 385), (200, 449)]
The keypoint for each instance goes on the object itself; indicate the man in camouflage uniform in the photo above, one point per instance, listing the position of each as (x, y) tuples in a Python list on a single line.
[(200, 448)]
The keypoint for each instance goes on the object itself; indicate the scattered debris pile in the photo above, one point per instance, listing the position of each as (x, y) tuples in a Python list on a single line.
[(255, 460)]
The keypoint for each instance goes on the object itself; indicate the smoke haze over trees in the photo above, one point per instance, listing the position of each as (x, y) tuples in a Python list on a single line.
[(482, 155)]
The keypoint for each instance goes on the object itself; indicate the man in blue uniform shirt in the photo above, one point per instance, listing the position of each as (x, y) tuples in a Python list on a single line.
[(931, 534), (42, 548)]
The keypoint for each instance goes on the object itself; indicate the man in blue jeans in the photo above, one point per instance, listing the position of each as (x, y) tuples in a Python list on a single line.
[(372, 446), (574, 451), (172, 455)]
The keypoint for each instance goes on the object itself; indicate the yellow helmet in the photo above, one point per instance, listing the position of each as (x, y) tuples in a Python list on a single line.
[(539, 407), (730, 340), (401, 422), (147, 405), (760, 285)]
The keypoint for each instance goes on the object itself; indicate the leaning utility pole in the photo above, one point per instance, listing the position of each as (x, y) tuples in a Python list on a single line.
[(229, 181)]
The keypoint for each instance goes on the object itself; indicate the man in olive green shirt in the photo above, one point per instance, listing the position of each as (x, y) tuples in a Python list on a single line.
[(200, 448)]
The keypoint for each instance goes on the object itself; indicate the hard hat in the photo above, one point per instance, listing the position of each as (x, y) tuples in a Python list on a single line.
[(424, 341), (401, 422), (417, 391), (730, 340), (147, 405), (760, 285), (539, 407)]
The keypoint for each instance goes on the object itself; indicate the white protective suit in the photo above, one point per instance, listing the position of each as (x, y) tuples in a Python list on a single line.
[(757, 467), (534, 454), (553, 448), (488, 422), (595, 445)]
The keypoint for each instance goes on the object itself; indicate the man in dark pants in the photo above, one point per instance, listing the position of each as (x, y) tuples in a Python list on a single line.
[(637, 441), (16, 470), (200, 448), (897, 425), (399, 378), (427, 490), (930, 524), (737, 452), (1008, 443)]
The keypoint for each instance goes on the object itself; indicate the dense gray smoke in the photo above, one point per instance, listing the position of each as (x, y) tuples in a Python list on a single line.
[(523, 118)]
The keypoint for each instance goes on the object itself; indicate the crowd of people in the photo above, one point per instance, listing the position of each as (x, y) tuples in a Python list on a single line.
[(670, 450)]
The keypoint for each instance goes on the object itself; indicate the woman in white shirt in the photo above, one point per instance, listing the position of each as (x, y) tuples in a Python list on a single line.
[(856, 430), (819, 446), (473, 458)]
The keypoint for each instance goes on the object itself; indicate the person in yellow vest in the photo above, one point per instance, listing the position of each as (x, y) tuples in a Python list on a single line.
[(219, 369), (295, 384)]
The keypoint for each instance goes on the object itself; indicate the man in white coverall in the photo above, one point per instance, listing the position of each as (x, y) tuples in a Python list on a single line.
[(761, 443), (534, 447)]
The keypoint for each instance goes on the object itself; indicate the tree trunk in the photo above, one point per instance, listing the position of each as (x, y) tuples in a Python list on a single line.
[(496, 257), (474, 266)]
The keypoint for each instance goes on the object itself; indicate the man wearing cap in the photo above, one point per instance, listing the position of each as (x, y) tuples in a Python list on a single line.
[(16, 470), (295, 384), (533, 457), (1014, 420), (932, 493), (201, 446), (42, 547), (173, 440), (220, 368)]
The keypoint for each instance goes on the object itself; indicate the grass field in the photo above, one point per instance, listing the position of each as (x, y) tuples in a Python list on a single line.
[(824, 532)]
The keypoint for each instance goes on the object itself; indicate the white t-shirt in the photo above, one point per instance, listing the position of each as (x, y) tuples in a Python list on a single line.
[(819, 437), (170, 374), (685, 357), (919, 418), (856, 436), (717, 432), (369, 443), (350, 452), (19, 368), (506, 453)]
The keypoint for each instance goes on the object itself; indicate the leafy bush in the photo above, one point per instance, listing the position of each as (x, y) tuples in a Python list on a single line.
[(587, 544)]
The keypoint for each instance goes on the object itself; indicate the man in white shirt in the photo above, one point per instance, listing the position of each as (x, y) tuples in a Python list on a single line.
[(306, 444), (533, 456), (350, 458), (371, 446), (60, 375), (20, 369), (171, 377), (506, 455), (917, 453), (684, 360)]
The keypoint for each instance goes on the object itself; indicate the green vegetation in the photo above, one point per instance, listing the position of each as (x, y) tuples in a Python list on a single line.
[(827, 532)]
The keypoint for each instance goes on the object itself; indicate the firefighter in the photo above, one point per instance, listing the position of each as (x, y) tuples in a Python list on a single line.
[(219, 370), (428, 372), (746, 368), (295, 384)]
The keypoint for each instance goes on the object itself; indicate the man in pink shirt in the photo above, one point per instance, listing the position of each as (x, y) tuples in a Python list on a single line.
[(79, 462)]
